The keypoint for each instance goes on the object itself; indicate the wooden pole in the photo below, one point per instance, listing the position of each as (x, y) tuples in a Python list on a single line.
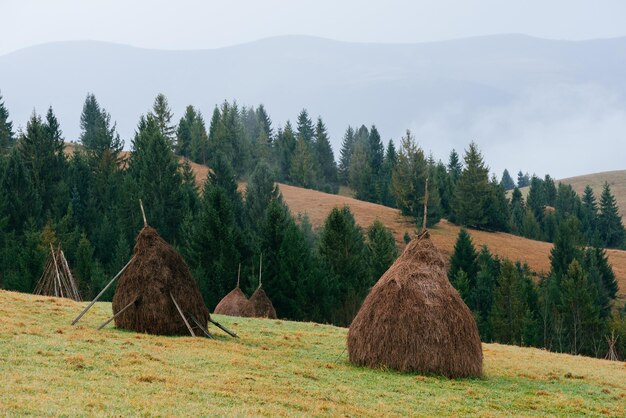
[(143, 213), (260, 268), (71, 278), (425, 206), (116, 315), (199, 325), (102, 292), (223, 328), (238, 274), (182, 315), (56, 270)]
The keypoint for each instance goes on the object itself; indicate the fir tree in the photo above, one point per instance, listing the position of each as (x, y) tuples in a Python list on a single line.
[(163, 115), (536, 199), (260, 192), (589, 214), (454, 166), (473, 192), (517, 211), (510, 316), (265, 123), (464, 258), (566, 247), (523, 180), (6, 129), (507, 181), (302, 168), (155, 169), (382, 248), (610, 226), (285, 147), (389, 164), (375, 151), (305, 129), (325, 159), (361, 178), (19, 196), (581, 316), (408, 182), (342, 250), (347, 147)]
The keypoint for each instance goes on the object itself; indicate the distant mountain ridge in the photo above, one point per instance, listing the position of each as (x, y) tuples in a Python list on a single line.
[(510, 93)]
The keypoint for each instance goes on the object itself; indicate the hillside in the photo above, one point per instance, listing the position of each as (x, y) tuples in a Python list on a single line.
[(536, 253), (616, 179), (275, 368)]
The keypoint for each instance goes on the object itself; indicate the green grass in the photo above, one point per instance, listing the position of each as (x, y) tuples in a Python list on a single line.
[(276, 368)]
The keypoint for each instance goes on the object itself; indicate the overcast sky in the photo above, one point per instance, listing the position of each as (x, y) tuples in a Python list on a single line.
[(190, 24)]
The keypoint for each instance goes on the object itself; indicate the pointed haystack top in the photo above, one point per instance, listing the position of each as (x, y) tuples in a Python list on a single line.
[(156, 277), (234, 302), (413, 320), (259, 306), (57, 279)]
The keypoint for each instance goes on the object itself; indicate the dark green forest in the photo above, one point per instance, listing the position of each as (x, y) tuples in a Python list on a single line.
[(88, 203)]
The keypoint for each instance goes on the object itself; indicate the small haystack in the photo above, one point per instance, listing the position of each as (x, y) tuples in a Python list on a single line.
[(259, 305), (156, 293), (57, 279), (413, 320), (234, 302)]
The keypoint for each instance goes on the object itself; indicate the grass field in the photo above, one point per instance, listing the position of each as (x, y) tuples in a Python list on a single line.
[(276, 368)]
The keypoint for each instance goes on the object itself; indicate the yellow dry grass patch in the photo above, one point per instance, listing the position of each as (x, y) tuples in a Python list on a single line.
[(277, 368)]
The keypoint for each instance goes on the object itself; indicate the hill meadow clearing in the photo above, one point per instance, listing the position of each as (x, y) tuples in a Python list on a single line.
[(276, 368)]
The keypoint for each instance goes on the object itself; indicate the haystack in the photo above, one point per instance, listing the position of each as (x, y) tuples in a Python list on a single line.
[(259, 306), (156, 293), (57, 279), (413, 320), (233, 303)]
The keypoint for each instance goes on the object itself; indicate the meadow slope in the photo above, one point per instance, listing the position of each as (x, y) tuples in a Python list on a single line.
[(616, 179), (49, 367), (536, 253)]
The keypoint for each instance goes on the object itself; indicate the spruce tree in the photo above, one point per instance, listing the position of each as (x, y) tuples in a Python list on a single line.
[(305, 129), (464, 258), (361, 177), (589, 214), (21, 202), (163, 115), (343, 253), (183, 133), (260, 192), (610, 226), (536, 199), (382, 248), (285, 147), (302, 168), (507, 181), (473, 192), (581, 316), (523, 180), (375, 150), (454, 166), (327, 173), (510, 316), (265, 123), (566, 247), (6, 129), (389, 164), (155, 169), (347, 147), (517, 211), (408, 182)]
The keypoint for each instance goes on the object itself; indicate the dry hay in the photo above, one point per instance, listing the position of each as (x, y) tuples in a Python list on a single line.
[(156, 271), (232, 304), (259, 306), (413, 320)]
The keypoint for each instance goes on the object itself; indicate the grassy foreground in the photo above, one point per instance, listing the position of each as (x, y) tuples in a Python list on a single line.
[(276, 368)]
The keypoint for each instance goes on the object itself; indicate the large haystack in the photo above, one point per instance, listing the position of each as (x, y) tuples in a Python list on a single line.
[(156, 275), (413, 320), (232, 304), (259, 306)]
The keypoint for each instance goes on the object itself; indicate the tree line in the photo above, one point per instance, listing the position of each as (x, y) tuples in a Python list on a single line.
[(87, 201), (570, 309)]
